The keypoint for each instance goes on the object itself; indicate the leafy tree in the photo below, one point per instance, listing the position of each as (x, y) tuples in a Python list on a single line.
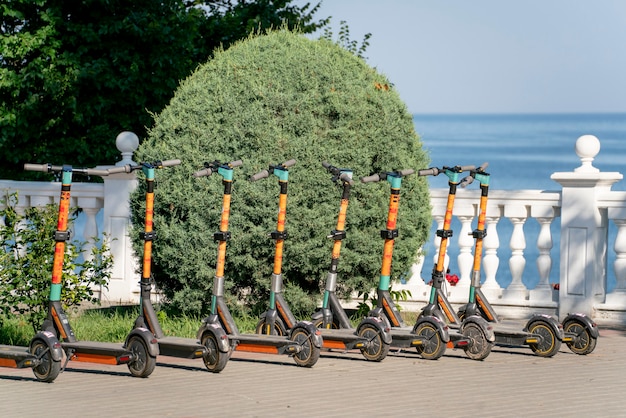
[(265, 100), (74, 73), (27, 243)]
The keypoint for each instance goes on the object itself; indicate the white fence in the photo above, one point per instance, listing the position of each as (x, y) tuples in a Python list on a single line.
[(578, 217)]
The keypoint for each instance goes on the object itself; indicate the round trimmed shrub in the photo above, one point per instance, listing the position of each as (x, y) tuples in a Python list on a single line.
[(265, 100)]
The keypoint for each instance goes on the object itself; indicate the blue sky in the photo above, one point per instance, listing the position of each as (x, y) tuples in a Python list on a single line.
[(494, 56)]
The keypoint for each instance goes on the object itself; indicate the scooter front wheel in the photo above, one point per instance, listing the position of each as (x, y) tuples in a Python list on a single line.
[(319, 323), (309, 353), (48, 369), (433, 346), (548, 344), (376, 349), (479, 347), (143, 363), (584, 343), (263, 327), (214, 359)]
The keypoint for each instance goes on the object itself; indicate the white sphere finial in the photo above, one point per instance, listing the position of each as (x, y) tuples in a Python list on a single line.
[(127, 143), (587, 147)]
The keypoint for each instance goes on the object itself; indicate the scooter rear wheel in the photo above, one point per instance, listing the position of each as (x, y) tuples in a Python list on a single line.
[(309, 353), (376, 349), (480, 346), (548, 344), (433, 346), (143, 363), (584, 343), (48, 369), (214, 359)]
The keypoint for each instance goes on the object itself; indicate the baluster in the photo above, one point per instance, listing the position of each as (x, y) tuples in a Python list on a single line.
[(490, 261), (90, 232), (517, 262), (465, 258), (620, 255)]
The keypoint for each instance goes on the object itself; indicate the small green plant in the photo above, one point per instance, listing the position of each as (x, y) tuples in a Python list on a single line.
[(370, 301), (26, 263), (344, 40)]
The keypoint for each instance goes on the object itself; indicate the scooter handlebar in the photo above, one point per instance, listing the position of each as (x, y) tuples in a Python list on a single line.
[(288, 163), (48, 168), (346, 178), (169, 163), (433, 171), (44, 168), (370, 179), (260, 175)]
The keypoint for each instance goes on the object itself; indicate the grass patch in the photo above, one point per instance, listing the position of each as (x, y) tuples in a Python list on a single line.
[(112, 324)]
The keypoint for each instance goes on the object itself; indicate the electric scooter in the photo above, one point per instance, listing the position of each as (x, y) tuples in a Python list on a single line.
[(430, 336), (542, 333), (140, 348), (473, 327), (372, 336), (303, 341), (212, 344)]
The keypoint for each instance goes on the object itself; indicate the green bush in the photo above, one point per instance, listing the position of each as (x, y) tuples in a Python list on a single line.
[(265, 100), (27, 242)]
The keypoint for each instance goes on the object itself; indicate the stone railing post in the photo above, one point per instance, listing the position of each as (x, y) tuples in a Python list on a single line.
[(583, 231), (124, 283)]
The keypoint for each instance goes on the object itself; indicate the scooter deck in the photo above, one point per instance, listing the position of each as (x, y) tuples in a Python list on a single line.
[(341, 339), (96, 352), (405, 338), (509, 333), (181, 347), (260, 343), (14, 356)]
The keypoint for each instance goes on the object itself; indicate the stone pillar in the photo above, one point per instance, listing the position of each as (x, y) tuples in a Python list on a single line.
[(124, 283), (583, 231)]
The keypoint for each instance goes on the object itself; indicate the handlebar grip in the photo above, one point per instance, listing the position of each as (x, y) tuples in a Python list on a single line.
[(406, 172), (95, 172), (127, 168), (346, 178), (289, 163), (467, 167), (466, 181), (236, 163), (44, 168), (483, 166), (203, 173), (170, 163), (326, 165), (433, 171), (370, 179), (260, 175)]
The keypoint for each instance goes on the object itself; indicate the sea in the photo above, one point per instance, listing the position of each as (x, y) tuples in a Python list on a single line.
[(523, 151)]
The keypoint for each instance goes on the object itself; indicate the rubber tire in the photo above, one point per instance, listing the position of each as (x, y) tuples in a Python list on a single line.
[(480, 346), (585, 343), (49, 369), (434, 346), (279, 327), (144, 363), (309, 354), (320, 321), (214, 359), (377, 349), (550, 344)]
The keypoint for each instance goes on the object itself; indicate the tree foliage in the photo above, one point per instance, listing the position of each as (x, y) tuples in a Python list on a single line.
[(27, 249), (266, 100), (75, 73)]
